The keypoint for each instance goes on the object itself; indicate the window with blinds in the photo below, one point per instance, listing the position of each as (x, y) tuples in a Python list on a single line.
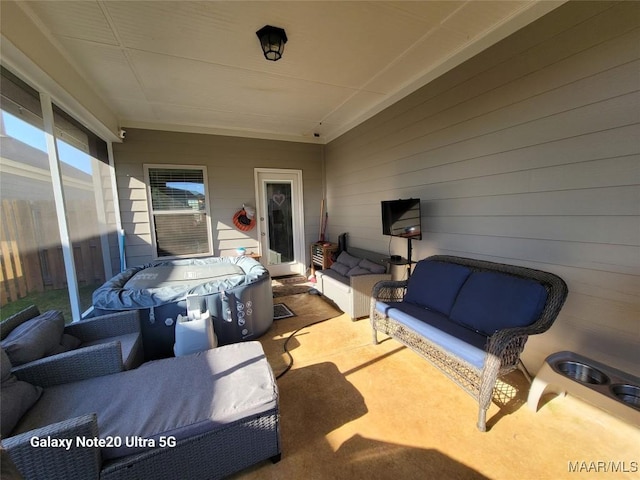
[(179, 210)]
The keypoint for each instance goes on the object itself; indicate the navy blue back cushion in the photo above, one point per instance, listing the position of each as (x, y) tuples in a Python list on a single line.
[(491, 301), (435, 285)]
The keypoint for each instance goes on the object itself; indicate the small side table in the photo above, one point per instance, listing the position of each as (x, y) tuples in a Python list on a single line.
[(321, 255), (399, 262)]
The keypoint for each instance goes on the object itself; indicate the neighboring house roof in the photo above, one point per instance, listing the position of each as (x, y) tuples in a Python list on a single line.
[(24, 174)]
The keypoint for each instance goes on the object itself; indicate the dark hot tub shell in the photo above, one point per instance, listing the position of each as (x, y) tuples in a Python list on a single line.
[(236, 291)]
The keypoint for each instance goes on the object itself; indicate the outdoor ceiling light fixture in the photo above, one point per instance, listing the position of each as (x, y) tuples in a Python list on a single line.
[(272, 40)]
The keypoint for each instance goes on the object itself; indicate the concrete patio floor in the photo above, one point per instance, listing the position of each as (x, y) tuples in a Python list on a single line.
[(352, 410)]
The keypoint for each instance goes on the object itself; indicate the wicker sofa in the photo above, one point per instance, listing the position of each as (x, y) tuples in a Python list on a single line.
[(470, 318), (349, 280), (204, 416)]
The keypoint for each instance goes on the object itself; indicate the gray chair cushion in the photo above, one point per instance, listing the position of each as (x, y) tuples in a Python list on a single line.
[(11, 322), (128, 343), (35, 338), (67, 343), (5, 366), (16, 397), (182, 396)]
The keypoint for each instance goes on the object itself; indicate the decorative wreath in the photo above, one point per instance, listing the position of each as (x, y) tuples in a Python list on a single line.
[(243, 220)]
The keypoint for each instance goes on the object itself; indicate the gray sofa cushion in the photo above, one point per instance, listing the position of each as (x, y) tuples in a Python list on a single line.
[(341, 268), (342, 279), (348, 265), (35, 338), (372, 266), (181, 397), (16, 397), (348, 260), (358, 270)]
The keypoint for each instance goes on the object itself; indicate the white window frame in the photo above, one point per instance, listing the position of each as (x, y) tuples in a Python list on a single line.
[(207, 209)]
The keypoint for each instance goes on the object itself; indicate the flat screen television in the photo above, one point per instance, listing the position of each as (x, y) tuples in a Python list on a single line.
[(401, 218)]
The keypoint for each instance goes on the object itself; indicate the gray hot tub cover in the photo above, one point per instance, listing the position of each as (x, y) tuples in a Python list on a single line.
[(176, 279)]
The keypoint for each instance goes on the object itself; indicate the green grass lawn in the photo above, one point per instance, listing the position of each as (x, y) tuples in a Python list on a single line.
[(50, 300)]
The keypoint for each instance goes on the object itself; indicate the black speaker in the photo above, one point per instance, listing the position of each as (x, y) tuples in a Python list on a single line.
[(342, 243)]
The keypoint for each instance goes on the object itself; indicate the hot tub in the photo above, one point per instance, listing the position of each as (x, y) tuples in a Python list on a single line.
[(236, 291)]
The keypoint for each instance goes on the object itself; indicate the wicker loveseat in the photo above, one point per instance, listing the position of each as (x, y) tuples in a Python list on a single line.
[(203, 416), (470, 318)]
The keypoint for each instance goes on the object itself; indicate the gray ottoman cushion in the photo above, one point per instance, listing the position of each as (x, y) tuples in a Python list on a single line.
[(159, 399)]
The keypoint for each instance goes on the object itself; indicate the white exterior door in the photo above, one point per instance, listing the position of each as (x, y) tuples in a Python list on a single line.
[(280, 220)]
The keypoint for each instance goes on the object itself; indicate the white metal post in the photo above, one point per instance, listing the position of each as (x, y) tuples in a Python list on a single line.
[(58, 195), (116, 206), (103, 231)]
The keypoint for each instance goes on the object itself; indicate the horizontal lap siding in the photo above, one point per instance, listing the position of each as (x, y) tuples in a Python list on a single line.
[(529, 153), (230, 163)]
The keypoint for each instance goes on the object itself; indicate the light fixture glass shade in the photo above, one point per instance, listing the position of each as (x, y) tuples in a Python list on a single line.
[(272, 40)]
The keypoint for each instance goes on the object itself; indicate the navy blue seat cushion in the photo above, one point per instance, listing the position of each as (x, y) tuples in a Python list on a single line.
[(490, 301), (450, 336), (435, 285)]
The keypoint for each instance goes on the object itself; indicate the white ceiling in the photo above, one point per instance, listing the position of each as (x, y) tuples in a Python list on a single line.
[(197, 66)]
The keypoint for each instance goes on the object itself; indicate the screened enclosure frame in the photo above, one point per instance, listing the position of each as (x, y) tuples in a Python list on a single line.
[(52, 110)]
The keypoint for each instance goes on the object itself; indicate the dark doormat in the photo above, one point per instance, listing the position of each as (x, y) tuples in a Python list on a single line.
[(280, 311)]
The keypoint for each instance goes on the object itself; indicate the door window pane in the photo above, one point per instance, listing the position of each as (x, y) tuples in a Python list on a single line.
[(280, 222)]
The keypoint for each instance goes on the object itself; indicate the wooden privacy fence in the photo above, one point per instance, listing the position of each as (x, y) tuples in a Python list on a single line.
[(30, 253)]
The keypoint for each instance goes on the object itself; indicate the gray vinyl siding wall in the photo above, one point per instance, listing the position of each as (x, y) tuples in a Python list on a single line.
[(528, 154), (230, 163)]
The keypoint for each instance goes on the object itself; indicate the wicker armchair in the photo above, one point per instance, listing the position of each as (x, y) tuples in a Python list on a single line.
[(109, 344), (502, 349)]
